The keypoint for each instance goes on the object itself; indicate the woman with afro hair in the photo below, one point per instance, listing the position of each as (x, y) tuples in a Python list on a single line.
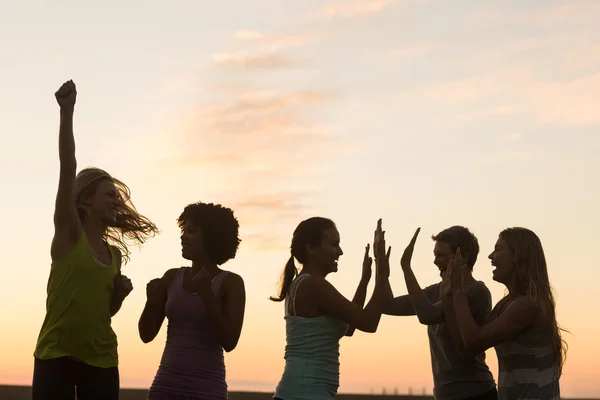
[(204, 305)]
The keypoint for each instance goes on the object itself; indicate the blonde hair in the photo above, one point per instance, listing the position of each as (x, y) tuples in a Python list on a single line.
[(531, 279), (130, 226)]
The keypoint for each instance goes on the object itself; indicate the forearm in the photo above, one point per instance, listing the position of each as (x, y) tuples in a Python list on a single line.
[(469, 330), (375, 306), (150, 321), (66, 140), (115, 305), (219, 323), (426, 311), (359, 299), (452, 325)]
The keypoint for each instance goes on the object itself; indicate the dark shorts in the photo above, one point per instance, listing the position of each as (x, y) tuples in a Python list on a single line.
[(60, 378), (491, 395), (169, 396)]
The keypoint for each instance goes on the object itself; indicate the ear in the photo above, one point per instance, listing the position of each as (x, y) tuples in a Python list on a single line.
[(310, 250)]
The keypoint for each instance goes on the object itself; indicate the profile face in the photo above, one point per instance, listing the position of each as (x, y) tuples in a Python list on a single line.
[(192, 241), (442, 253), (503, 259), (327, 254), (103, 203)]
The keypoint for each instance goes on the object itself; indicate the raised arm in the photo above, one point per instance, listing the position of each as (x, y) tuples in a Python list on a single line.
[(67, 227), (427, 312), (332, 303), (361, 291), (518, 316), (154, 311), (226, 318)]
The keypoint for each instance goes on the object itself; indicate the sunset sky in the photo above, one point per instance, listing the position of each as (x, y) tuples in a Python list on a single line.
[(426, 113)]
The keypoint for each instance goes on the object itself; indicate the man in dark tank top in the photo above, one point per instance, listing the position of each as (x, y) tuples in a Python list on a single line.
[(457, 372)]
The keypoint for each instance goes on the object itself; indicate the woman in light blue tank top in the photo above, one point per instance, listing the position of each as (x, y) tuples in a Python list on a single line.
[(522, 326), (317, 316)]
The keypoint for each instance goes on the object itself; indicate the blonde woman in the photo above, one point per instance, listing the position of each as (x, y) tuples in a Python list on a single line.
[(76, 349), (522, 326)]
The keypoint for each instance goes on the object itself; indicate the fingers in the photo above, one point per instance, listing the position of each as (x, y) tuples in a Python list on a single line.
[(414, 238)]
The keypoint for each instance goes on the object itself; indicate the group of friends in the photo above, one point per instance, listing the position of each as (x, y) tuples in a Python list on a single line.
[(95, 219)]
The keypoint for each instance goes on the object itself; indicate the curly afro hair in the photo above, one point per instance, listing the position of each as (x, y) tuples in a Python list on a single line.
[(219, 227)]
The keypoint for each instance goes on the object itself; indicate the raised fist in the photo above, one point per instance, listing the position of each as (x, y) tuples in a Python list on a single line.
[(66, 95)]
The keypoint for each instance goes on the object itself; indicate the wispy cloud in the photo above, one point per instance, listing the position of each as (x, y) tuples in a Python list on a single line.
[(261, 51), (353, 8), (260, 149)]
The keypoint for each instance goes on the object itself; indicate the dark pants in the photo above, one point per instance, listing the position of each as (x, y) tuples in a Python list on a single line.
[(59, 378), (491, 395)]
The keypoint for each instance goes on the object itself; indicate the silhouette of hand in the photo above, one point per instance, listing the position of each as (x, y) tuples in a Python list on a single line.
[(201, 282), (455, 270), (382, 259), (405, 261), (367, 270), (66, 95), (156, 290), (123, 286)]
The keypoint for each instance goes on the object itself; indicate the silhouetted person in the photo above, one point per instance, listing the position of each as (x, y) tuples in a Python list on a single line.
[(76, 347), (522, 326), (317, 316), (203, 304), (457, 372)]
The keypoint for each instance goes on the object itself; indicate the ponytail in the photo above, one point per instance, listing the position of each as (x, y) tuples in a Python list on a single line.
[(287, 277)]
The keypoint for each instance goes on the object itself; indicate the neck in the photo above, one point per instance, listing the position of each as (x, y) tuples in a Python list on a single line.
[(94, 230), (312, 269), (209, 267), (468, 278)]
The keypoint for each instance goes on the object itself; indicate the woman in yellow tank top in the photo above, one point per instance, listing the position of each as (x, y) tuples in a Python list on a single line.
[(77, 348)]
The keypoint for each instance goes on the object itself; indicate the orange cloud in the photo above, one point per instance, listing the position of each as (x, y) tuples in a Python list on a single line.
[(258, 149), (263, 51), (261, 60)]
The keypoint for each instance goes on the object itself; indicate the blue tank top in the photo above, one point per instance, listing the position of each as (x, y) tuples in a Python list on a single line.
[(312, 353)]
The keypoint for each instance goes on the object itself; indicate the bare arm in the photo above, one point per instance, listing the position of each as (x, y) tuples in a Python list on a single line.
[(227, 320), (359, 299), (518, 316), (454, 331), (118, 294), (67, 227), (361, 291), (332, 303), (154, 310)]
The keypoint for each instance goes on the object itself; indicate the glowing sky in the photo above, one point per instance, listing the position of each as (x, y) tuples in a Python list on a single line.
[(425, 112)]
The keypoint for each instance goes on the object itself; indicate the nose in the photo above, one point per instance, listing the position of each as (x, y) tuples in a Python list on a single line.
[(340, 251)]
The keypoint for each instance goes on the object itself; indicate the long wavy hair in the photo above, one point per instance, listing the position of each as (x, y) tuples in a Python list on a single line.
[(131, 226), (531, 279)]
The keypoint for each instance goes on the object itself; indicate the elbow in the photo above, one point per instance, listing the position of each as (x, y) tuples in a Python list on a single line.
[(229, 347), (427, 320), (471, 343)]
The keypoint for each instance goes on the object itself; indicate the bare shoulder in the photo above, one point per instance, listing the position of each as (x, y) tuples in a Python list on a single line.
[(118, 256), (169, 276), (233, 282)]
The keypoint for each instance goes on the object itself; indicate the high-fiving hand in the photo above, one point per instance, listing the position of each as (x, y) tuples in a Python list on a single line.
[(382, 258), (367, 270), (456, 269), (405, 261)]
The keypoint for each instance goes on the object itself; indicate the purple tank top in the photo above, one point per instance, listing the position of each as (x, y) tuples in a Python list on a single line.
[(192, 363)]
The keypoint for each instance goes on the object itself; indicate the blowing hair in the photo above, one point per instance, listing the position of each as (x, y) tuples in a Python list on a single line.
[(219, 229), (130, 225), (308, 232), (531, 279), (459, 236)]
